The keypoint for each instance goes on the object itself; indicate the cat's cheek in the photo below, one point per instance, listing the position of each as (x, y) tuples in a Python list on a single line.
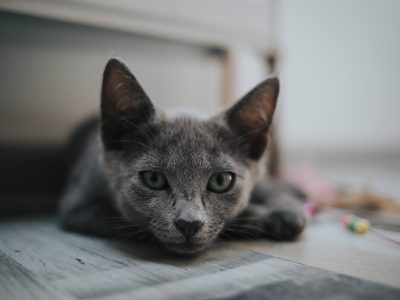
[(243, 198), (135, 202), (131, 212), (238, 199), (224, 206)]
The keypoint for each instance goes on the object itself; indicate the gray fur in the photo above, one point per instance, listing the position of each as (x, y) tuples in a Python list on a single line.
[(105, 185)]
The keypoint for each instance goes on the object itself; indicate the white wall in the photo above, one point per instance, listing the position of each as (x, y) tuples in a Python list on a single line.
[(340, 72), (51, 75), (248, 69)]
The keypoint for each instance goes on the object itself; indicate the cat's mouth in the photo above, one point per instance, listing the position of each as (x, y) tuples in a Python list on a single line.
[(185, 247)]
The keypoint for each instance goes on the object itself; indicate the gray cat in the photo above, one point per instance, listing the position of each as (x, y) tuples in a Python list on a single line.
[(181, 179)]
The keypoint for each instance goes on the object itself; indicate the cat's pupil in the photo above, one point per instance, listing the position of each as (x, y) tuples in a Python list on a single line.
[(154, 178), (220, 182), (220, 179)]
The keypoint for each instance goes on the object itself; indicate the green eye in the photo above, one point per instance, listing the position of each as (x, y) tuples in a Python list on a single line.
[(221, 182), (154, 180)]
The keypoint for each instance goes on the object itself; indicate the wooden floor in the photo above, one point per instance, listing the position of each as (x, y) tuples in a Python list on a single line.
[(39, 261)]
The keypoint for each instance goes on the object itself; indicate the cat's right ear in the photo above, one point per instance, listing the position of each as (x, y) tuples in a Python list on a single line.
[(125, 107), (251, 117)]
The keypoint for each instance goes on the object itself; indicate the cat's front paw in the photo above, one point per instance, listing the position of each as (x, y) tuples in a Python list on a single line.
[(283, 225)]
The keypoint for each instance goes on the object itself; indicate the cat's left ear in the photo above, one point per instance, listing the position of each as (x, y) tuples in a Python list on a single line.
[(251, 117), (125, 107)]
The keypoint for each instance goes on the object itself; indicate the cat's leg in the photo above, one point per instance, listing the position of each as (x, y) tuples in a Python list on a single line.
[(85, 205), (275, 212), (90, 213), (83, 212)]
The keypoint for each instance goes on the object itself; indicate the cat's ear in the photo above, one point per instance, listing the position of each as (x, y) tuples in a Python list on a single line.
[(125, 107), (251, 117)]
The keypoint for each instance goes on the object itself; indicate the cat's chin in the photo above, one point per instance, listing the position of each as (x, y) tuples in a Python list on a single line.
[(185, 248)]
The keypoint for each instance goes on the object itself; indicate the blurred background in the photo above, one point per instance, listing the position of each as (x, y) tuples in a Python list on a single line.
[(338, 62)]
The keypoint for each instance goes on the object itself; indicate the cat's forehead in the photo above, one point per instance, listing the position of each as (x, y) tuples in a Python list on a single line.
[(185, 112), (186, 134), (189, 143)]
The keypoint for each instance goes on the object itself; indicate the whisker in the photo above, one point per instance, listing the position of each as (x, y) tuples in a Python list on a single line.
[(241, 234), (242, 136), (130, 141), (129, 122)]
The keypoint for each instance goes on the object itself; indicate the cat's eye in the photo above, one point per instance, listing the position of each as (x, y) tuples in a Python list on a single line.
[(154, 180), (221, 182)]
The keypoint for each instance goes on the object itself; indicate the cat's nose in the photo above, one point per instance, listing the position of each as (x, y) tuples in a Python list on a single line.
[(188, 228)]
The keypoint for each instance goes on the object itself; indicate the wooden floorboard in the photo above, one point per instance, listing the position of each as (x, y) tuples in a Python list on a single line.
[(39, 261), (17, 282)]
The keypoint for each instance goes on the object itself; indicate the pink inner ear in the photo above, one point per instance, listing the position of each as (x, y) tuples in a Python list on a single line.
[(257, 117), (125, 106), (122, 93), (252, 116), (118, 89), (256, 109)]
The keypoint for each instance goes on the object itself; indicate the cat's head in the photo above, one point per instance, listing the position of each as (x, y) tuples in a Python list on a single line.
[(182, 177)]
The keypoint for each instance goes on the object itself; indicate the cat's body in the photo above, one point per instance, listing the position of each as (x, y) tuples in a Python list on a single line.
[(184, 179)]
